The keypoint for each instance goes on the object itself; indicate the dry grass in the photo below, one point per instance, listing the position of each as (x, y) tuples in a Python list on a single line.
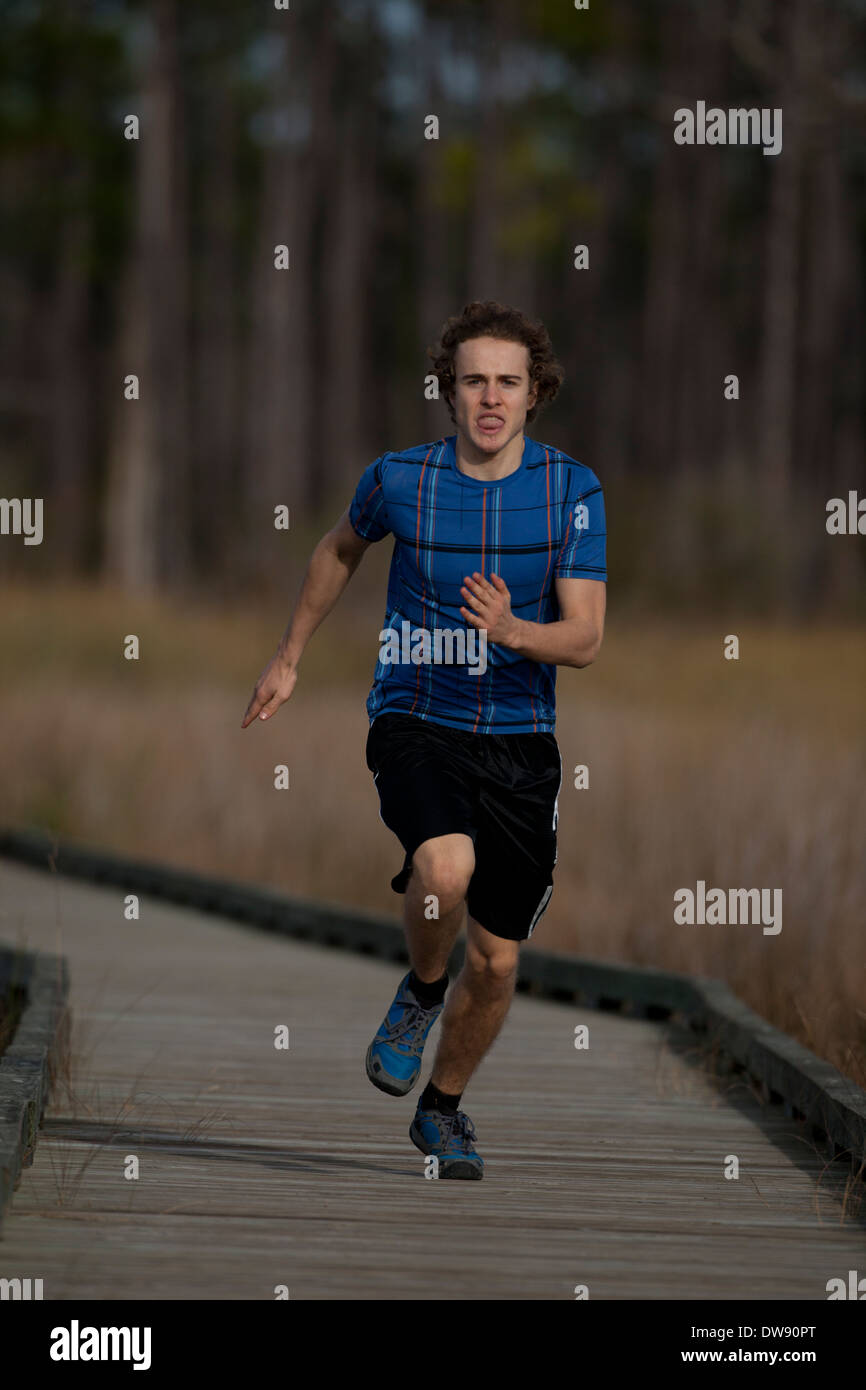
[(78, 1099), (744, 774)]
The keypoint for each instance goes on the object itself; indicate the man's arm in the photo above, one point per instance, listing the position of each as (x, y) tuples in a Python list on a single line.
[(331, 566), (573, 640)]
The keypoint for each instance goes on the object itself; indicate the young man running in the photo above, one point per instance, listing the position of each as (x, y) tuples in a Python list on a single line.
[(498, 541)]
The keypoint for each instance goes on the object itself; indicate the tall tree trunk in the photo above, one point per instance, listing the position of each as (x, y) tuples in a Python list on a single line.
[(599, 374), (781, 272), (283, 409), (345, 303), (147, 507), (662, 317), (700, 365), (70, 372), (215, 437), (435, 295), (484, 277), (131, 513)]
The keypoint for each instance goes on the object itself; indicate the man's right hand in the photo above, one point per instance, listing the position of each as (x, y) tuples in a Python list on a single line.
[(273, 688)]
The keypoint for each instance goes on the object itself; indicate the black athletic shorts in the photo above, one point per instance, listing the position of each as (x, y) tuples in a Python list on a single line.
[(500, 789)]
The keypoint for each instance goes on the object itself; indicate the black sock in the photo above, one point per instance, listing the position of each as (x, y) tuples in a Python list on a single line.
[(428, 994), (433, 1099)]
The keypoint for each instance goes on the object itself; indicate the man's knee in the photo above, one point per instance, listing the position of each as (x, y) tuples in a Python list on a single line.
[(444, 867), (496, 963)]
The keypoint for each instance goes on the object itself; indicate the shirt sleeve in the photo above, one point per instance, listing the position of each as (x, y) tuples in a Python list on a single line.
[(368, 512), (583, 552)]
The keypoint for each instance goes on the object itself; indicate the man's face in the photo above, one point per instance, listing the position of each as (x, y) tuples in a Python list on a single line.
[(491, 391)]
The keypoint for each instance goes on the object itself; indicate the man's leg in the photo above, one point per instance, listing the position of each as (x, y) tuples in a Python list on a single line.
[(476, 1007), (441, 868)]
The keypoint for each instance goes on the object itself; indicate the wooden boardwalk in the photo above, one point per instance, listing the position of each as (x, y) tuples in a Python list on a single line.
[(260, 1167)]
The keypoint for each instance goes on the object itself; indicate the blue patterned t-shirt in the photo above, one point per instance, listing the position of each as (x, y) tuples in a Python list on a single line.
[(543, 521)]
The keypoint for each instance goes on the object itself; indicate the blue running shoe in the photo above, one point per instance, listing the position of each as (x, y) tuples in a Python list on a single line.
[(450, 1138), (394, 1055)]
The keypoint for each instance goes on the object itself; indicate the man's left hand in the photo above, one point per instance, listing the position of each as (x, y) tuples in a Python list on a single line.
[(491, 605)]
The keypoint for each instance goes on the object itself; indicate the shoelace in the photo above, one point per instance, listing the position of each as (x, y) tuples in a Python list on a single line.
[(465, 1132), (412, 1018)]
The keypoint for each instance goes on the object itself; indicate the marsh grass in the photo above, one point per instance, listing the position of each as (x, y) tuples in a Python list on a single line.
[(743, 774)]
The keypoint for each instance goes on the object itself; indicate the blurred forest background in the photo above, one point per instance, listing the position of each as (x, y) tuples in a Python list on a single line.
[(306, 128), (261, 387)]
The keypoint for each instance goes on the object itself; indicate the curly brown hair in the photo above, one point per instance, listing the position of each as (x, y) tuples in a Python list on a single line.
[(489, 319)]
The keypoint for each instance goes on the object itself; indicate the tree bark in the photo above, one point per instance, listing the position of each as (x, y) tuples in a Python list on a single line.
[(147, 511)]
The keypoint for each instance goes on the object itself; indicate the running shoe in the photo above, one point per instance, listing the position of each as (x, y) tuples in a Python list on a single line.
[(450, 1136), (394, 1055)]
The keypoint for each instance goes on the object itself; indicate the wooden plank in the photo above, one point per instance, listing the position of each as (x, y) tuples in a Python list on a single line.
[(605, 1167), (809, 1087), (35, 987)]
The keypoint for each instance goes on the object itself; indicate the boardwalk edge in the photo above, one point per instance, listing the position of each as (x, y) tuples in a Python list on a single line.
[(786, 1071), (36, 1054)]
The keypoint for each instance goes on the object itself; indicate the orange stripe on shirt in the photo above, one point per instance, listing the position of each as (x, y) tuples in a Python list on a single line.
[(418, 563)]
